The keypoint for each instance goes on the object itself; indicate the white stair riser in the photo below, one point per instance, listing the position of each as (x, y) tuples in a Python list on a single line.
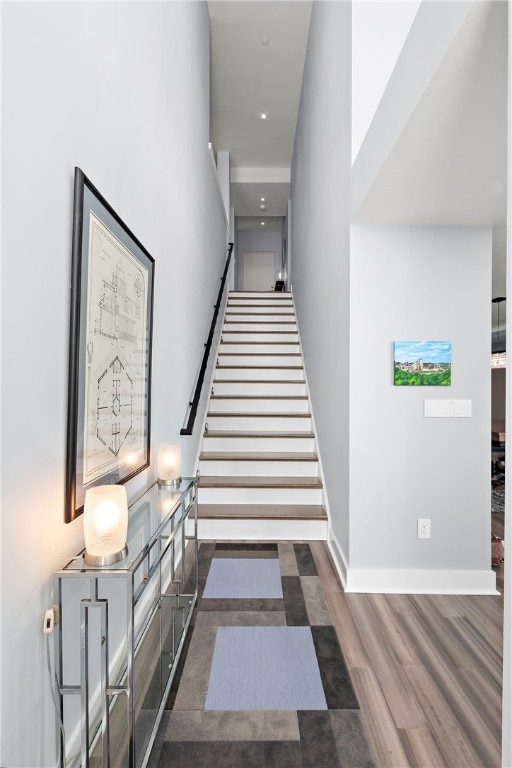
[(248, 336), (276, 295), (261, 361), (259, 349), (263, 530), (285, 322), (260, 315), (236, 315), (257, 310), (260, 495), (275, 405), (258, 444), (258, 388), (226, 468), (259, 423), (252, 303), (261, 374), (238, 324)]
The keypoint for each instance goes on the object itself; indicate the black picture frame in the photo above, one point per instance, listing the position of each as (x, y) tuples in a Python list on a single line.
[(110, 348)]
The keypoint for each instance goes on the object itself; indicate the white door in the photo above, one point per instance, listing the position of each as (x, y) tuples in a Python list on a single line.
[(259, 272)]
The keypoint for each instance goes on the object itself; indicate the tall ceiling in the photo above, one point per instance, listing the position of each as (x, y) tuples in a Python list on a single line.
[(257, 60), (448, 165)]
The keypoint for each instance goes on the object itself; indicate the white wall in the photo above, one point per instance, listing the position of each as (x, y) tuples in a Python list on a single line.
[(321, 243), (354, 297), (433, 30), (257, 241), (289, 249), (286, 249), (419, 283), (506, 741), (232, 267), (95, 85), (379, 30), (223, 174)]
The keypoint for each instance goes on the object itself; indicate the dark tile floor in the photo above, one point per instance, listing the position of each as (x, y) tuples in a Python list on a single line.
[(191, 737)]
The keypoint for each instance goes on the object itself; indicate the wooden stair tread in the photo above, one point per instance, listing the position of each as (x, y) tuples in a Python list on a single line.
[(258, 456), (262, 511), (286, 304), (264, 297), (261, 322), (259, 306), (240, 481), (262, 312), (260, 354), (245, 433), (260, 415), (227, 330), (263, 367), (250, 317), (268, 343)]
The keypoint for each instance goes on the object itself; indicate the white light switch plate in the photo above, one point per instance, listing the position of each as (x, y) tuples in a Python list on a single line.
[(447, 409)]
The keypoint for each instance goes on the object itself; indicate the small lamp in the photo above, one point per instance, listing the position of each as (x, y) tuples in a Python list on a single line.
[(169, 465), (105, 524)]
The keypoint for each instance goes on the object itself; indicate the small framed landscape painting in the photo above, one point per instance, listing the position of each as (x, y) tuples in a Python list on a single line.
[(422, 363)]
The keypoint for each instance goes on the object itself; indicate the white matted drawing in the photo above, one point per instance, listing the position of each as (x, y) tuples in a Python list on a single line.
[(116, 348)]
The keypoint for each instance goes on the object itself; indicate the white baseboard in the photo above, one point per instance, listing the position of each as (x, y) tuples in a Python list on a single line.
[(407, 581), (411, 581), (338, 557), (254, 530)]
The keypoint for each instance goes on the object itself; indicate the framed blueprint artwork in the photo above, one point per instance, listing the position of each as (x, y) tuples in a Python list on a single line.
[(109, 395)]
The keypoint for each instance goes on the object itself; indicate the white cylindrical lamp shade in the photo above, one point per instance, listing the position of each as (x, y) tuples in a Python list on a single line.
[(169, 464), (105, 524)]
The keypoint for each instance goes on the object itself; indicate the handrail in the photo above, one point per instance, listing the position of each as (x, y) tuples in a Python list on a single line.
[(194, 403)]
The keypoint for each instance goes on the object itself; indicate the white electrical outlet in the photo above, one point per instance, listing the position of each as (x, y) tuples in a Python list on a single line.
[(48, 622), (51, 619), (423, 528)]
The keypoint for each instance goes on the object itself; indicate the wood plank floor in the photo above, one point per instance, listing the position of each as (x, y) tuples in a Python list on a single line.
[(426, 669)]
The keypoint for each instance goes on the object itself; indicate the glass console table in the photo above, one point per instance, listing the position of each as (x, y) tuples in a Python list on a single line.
[(121, 631)]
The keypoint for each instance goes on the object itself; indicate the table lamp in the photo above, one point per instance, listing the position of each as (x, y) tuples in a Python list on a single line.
[(105, 524), (169, 465)]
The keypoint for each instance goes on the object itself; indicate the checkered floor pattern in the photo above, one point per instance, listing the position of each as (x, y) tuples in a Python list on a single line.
[(262, 682)]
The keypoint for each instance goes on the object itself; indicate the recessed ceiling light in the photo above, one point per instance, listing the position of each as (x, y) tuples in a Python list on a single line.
[(262, 223), (263, 116), (263, 207), (262, 199), (265, 41)]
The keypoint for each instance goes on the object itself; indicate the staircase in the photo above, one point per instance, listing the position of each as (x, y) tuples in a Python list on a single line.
[(259, 473)]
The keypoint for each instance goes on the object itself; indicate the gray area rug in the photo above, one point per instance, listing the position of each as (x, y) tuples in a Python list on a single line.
[(243, 578), (269, 668)]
